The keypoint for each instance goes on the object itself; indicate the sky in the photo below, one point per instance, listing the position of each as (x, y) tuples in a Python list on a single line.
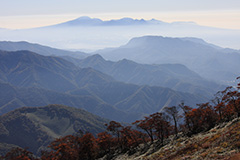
[(18, 14)]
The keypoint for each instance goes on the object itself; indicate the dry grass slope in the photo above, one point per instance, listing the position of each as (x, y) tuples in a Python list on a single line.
[(221, 142)]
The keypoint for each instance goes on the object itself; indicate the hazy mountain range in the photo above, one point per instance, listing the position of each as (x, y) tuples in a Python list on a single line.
[(87, 21), (14, 97), (167, 71), (52, 80), (174, 76), (93, 33), (42, 50), (28, 69), (208, 60)]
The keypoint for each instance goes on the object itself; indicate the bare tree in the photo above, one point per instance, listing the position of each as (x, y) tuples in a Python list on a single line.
[(174, 114)]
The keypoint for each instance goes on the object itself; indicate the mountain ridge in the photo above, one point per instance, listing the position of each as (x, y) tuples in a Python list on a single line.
[(174, 76), (28, 69), (13, 98), (40, 49), (36, 80), (88, 21), (204, 59)]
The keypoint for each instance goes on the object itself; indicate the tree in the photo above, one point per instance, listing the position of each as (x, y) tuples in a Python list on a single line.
[(173, 112), (155, 125), (137, 138), (72, 148), (195, 122), (104, 141), (127, 139), (232, 99), (147, 124), (19, 154), (238, 85), (202, 118), (161, 125), (209, 116), (115, 128), (63, 148), (131, 138), (88, 147), (219, 104), (186, 111)]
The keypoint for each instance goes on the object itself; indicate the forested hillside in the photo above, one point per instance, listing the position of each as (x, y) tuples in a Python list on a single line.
[(36, 127)]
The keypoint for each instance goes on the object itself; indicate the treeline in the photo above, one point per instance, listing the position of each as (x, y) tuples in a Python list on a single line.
[(158, 126)]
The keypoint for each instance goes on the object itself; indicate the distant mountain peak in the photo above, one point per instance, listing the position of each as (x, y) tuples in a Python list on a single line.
[(126, 61), (127, 18), (87, 18), (83, 21), (125, 21), (88, 21), (151, 40), (95, 57), (138, 41), (83, 18)]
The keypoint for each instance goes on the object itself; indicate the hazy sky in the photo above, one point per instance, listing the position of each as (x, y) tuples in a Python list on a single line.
[(33, 13)]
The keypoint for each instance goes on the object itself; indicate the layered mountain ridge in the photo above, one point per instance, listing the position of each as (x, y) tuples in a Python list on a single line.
[(203, 58), (123, 91), (52, 80), (175, 76), (40, 49)]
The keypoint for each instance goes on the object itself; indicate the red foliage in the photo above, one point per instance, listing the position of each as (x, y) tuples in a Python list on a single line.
[(232, 99), (147, 125), (115, 128), (19, 154), (202, 118), (155, 124), (72, 148), (105, 141), (131, 138)]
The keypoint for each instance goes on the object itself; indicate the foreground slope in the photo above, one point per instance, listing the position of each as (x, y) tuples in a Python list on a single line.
[(36, 127), (221, 142)]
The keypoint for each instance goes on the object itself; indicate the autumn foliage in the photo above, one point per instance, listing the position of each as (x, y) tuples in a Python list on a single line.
[(19, 154), (72, 148)]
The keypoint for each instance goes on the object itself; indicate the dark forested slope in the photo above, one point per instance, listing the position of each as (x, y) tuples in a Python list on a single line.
[(36, 127)]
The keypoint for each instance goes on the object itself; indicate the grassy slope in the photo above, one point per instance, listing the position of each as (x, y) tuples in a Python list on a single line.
[(221, 142)]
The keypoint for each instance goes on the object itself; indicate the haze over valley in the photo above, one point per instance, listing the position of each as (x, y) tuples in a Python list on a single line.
[(90, 34)]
